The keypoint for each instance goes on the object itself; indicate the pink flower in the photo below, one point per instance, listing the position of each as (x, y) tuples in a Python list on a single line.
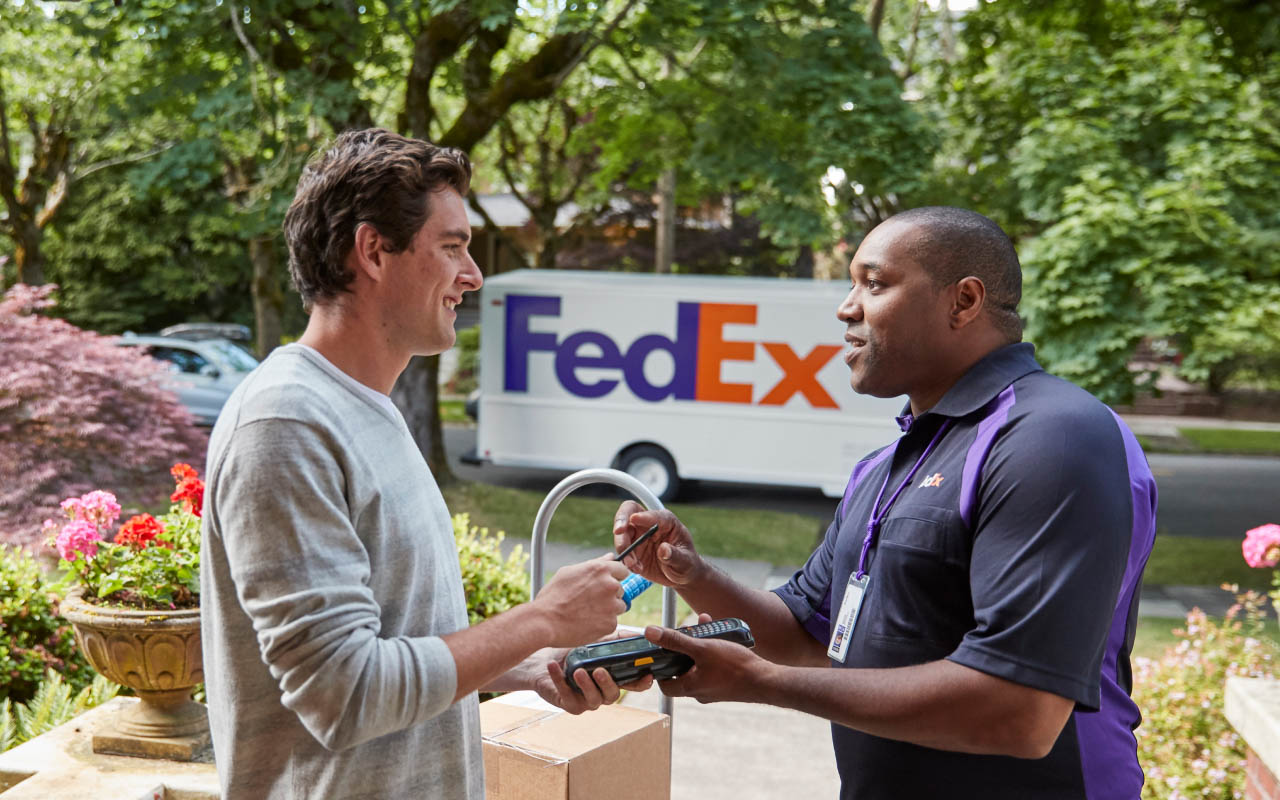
[(98, 507), (78, 537), (74, 507), (1262, 546)]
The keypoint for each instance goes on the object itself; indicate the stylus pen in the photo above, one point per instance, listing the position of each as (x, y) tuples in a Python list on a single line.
[(627, 550)]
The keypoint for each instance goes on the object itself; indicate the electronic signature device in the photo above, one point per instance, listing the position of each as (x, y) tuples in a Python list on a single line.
[(634, 657)]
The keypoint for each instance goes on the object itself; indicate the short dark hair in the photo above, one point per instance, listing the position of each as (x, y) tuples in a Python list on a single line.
[(954, 243), (369, 176)]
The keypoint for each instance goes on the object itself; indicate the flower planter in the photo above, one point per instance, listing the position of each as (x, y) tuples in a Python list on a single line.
[(158, 655)]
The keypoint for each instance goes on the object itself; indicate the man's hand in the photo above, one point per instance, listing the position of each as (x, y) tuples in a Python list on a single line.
[(721, 670), (551, 686), (668, 557), (582, 602)]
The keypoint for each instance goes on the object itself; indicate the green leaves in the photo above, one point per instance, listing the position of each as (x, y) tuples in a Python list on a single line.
[(52, 705), (1138, 171), (491, 584)]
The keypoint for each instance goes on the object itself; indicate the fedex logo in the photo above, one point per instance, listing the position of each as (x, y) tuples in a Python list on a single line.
[(698, 350)]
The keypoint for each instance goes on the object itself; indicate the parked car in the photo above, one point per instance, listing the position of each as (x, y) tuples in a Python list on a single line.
[(203, 371), (239, 335)]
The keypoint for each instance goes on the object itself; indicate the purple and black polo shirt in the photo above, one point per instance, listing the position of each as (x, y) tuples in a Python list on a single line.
[(1017, 550)]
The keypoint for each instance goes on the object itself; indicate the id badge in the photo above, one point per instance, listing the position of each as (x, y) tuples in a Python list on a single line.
[(842, 631)]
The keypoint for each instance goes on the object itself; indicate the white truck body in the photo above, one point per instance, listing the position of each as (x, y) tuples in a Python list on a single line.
[(734, 379)]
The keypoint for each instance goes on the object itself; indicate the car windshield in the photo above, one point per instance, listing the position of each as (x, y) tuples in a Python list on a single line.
[(237, 359)]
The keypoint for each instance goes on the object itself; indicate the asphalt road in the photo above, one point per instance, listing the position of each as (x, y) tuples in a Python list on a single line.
[(1220, 496)]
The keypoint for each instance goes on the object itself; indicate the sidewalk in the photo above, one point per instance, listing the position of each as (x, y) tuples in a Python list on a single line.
[(1155, 425)]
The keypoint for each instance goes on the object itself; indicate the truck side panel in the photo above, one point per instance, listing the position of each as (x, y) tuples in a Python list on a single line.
[(738, 379)]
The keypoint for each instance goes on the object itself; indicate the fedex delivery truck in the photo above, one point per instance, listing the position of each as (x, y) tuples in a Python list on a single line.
[(672, 378)]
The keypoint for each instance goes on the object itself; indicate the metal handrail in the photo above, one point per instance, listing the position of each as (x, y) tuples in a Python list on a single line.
[(543, 521)]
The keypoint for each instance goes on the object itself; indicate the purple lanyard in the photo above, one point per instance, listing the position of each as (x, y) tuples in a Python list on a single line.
[(873, 524)]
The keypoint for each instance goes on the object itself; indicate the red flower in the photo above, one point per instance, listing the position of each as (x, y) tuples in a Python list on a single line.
[(181, 472), (190, 493), (139, 531)]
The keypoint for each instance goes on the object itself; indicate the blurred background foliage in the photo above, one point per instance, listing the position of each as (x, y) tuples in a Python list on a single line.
[(1130, 147)]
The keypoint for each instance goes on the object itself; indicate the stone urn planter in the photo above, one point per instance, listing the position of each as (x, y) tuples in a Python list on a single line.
[(158, 655)]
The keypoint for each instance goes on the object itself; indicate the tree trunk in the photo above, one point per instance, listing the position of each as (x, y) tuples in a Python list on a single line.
[(948, 33), (417, 395), (27, 256), (875, 15), (804, 262), (268, 297), (549, 250), (664, 251)]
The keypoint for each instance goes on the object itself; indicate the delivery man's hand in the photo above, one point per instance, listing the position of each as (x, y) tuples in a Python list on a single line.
[(668, 556), (581, 603), (721, 670)]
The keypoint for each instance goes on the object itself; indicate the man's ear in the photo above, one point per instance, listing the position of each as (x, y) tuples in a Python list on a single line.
[(368, 256), (970, 296)]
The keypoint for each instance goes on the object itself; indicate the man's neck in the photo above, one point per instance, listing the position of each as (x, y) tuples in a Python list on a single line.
[(961, 363), (352, 344)]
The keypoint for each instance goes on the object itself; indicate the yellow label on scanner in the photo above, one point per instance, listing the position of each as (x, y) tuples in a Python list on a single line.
[(640, 662)]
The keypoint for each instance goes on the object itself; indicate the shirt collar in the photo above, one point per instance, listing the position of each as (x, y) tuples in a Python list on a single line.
[(981, 383)]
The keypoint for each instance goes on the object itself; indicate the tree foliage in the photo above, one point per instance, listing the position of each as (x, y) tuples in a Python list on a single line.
[(1138, 168), (763, 101), (63, 79), (1129, 146)]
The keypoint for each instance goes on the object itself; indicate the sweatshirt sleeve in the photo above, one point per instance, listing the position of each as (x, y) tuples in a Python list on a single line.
[(279, 506)]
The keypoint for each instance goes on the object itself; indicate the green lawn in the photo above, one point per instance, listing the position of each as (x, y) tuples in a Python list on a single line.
[(453, 411), (1225, 441), (1192, 560), (1233, 440), (770, 536)]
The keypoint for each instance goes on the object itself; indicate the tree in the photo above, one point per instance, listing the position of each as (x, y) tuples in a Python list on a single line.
[(62, 78), (77, 413), (783, 106), (1136, 163)]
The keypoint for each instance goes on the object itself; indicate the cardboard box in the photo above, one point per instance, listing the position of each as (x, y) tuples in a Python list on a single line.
[(533, 751)]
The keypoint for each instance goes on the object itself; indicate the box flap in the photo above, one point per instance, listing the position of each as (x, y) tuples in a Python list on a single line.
[(497, 719), (567, 736)]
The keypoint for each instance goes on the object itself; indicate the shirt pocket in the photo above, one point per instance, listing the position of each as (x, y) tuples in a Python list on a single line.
[(921, 579), (929, 531)]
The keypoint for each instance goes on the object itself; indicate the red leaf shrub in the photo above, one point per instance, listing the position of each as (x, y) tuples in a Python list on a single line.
[(77, 412)]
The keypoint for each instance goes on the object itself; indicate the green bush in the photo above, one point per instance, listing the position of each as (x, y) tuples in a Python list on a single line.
[(492, 584), (33, 638), (50, 706), (1185, 743), (466, 372)]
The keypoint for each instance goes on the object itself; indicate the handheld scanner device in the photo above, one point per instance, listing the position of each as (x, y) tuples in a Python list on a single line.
[(634, 657)]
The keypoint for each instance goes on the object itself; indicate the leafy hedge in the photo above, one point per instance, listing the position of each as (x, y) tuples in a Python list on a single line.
[(33, 638), (492, 584), (1185, 744)]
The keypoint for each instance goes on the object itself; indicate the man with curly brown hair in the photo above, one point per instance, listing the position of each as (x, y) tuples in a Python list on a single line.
[(338, 658)]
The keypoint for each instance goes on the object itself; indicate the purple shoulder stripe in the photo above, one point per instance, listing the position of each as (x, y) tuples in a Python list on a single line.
[(860, 472), (1109, 731), (977, 455)]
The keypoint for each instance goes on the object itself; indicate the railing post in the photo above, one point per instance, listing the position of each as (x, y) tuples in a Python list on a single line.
[(543, 521)]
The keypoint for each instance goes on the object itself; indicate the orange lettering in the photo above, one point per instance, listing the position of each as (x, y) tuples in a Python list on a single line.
[(800, 375), (713, 349)]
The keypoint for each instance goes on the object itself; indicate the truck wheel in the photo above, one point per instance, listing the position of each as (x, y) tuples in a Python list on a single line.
[(654, 468)]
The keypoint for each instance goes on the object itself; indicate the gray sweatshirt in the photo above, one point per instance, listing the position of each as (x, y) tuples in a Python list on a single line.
[(329, 572)]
